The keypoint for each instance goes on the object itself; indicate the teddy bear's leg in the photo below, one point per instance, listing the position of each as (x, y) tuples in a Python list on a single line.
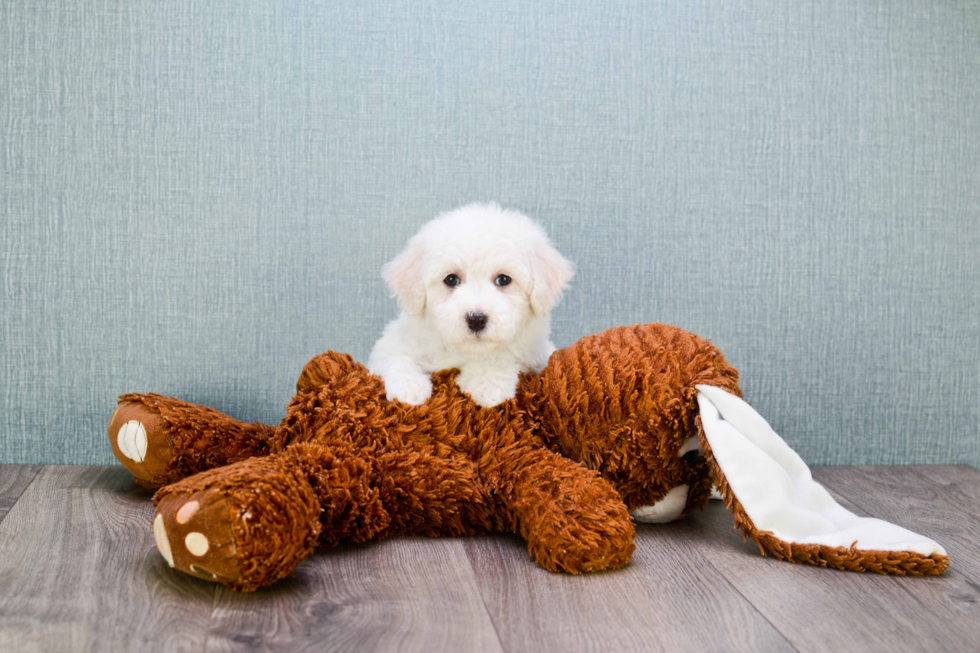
[(250, 523), (161, 440), (243, 525), (571, 517)]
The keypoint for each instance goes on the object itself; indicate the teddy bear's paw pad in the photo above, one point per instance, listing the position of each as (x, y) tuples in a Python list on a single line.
[(163, 544), (195, 533), (132, 440), (140, 442), (667, 509)]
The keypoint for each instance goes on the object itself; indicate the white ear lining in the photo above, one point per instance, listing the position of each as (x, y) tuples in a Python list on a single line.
[(777, 491)]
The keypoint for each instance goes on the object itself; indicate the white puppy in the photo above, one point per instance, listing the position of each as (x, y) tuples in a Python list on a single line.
[(476, 287)]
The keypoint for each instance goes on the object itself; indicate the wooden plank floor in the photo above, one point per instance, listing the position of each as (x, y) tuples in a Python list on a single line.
[(79, 572)]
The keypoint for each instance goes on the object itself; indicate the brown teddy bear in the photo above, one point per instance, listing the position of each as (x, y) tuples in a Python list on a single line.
[(612, 426)]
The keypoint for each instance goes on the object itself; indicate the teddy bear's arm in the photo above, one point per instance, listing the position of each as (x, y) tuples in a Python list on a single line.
[(161, 440), (571, 517)]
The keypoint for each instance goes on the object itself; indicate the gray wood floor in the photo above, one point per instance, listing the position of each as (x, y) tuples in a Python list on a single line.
[(79, 571)]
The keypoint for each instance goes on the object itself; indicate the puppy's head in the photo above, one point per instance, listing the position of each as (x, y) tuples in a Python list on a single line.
[(478, 274)]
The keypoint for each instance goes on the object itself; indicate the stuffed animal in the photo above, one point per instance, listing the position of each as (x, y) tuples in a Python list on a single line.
[(633, 423)]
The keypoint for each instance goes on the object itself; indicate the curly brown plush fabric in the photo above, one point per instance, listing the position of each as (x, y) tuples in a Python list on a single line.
[(595, 434)]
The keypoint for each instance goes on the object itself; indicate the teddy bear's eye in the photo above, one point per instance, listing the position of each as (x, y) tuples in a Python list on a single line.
[(452, 281), (502, 280)]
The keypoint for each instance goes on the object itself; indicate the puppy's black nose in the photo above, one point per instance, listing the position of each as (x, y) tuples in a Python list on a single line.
[(476, 321)]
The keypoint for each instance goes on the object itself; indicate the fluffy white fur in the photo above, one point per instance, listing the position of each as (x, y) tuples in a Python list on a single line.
[(477, 243)]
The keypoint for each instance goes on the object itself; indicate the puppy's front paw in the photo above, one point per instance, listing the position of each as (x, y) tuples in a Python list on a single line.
[(412, 390), (487, 392)]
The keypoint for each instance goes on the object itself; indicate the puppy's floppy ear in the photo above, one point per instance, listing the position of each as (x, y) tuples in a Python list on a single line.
[(550, 274), (403, 274)]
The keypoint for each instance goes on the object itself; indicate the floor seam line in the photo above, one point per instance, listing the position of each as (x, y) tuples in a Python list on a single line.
[(207, 631), (40, 468), (483, 602), (724, 576)]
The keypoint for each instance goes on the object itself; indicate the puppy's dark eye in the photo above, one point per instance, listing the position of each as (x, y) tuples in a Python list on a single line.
[(502, 280), (452, 280)]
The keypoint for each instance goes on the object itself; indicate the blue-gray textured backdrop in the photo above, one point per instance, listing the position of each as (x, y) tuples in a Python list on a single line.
[(197, 197)]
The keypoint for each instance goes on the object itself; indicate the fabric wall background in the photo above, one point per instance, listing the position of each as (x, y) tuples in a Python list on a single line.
[(195, 198)]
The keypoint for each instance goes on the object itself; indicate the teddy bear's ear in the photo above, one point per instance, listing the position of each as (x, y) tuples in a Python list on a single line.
[(403, 274), (776, 502), (551, 273)]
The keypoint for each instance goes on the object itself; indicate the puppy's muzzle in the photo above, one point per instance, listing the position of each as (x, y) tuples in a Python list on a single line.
[(476, 321)]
